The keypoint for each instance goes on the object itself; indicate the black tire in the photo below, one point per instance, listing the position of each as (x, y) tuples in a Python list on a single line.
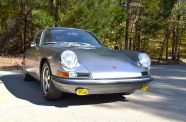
[(49, 91), (26, 76), (126, 93)]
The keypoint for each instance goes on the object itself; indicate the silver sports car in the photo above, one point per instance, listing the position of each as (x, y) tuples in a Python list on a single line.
[(74, 61)]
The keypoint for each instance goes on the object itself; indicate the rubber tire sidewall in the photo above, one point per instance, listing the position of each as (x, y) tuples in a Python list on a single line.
[(53, 93)]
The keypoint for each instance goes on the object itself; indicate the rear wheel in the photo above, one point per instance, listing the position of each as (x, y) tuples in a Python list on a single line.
[(48, 89)]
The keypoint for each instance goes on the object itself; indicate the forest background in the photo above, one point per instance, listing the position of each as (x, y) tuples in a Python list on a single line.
[(156, 27)]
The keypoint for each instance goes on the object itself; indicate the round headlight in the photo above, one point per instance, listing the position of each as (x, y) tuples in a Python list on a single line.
[(69, 59), (144, 60)]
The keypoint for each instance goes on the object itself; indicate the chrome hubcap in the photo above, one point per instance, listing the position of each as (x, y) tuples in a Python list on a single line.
[(46, 79)]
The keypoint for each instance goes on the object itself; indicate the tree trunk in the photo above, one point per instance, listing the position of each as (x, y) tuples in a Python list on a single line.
[(137, 35), (163, 44), (130, 43), (173, 44), (25, 27), (55, 6), (127, 24), (177, 38), (167, 44), (130, 39)]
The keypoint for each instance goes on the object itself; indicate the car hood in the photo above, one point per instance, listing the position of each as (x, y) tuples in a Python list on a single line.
[(104, 63)]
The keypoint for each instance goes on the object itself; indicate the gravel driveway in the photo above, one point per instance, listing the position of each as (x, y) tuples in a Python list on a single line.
[(165, 102)]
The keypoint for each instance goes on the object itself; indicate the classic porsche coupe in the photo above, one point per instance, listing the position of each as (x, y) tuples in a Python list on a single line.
[(69, 60)]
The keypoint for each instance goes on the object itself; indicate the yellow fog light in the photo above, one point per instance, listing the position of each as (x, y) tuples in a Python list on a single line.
[(145, 87), (81, 91)]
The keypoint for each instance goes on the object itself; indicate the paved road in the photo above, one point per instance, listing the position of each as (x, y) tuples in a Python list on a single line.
[(165, 102)]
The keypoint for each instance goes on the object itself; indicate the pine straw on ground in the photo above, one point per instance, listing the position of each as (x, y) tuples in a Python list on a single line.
[(169, 62), (10, 62)]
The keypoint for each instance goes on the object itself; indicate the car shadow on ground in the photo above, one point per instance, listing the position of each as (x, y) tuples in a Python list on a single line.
[(31, 91), (167, 95)]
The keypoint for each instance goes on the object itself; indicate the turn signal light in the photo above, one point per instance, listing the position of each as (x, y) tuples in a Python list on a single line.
[(63, 74)]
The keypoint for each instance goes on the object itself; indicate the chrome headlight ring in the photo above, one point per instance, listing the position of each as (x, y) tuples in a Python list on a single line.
[(69, 59), (144, 60)]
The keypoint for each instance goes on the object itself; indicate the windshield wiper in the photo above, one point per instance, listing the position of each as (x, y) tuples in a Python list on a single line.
[(50, 42), (88, 45), (77, 44)]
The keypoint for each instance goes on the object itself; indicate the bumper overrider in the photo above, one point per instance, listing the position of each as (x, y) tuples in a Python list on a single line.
[(100, 86)]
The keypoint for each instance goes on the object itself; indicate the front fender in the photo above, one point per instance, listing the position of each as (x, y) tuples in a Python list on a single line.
[(133, 55)]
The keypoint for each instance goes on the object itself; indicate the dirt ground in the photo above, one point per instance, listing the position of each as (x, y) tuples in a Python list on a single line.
[(10, 62)]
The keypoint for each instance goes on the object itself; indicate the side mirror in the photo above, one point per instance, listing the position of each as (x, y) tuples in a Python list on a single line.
[(33, 44)]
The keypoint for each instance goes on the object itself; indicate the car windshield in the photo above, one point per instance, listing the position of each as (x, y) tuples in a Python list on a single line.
[(71, 36)]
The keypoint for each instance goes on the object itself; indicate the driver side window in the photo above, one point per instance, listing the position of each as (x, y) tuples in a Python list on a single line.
[(37, 38)]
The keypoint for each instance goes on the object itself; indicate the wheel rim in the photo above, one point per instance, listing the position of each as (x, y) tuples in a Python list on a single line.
[(46, 80)]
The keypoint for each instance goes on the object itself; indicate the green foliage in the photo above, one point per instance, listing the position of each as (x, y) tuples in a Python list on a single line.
[(166, 7), (98, 16), (42, 19), (106, 18), (151, 20)]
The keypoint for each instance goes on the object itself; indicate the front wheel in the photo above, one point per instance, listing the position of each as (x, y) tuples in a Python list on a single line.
[(48, 89)]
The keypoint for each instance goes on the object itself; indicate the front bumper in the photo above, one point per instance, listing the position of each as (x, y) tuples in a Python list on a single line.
[(100, 86)]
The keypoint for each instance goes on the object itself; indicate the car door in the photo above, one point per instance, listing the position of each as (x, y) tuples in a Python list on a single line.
[(33, 56)]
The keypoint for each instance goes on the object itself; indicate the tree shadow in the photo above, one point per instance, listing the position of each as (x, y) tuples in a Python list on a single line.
[(161, 101), (31, 92), (167, 95)]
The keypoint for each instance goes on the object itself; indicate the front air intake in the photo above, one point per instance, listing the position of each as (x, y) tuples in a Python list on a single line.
[(145, 73)]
